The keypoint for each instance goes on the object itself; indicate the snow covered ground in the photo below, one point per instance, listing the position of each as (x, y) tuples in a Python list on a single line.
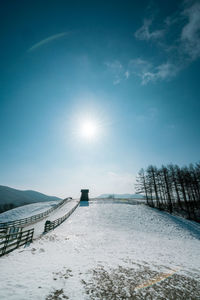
[(108, 251), (26, 211), (57, 213), (36, 208)]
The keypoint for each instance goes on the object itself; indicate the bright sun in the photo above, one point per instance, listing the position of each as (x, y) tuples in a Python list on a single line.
[(88, 129)]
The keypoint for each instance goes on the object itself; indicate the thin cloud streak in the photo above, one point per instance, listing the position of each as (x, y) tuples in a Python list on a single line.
[(47, 40)]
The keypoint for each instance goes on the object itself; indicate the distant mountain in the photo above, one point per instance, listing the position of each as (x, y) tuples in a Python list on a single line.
[(122, 196), (10, 198)]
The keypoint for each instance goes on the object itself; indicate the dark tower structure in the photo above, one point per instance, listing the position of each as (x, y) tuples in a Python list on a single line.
[(84, 195)]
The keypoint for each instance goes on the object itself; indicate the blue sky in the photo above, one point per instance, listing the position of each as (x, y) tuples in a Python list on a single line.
[(132, 67)]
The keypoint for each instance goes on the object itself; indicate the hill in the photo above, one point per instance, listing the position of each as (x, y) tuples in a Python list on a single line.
[(26, 211), (110, 251), (10, 198)]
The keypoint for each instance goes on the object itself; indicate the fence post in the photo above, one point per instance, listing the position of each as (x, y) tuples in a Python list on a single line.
[(47, 225), (32, 236), (5, 244), (19, 239), (27, 236)]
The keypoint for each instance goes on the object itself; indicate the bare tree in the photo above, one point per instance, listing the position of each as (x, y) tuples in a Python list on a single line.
[(172, 188)]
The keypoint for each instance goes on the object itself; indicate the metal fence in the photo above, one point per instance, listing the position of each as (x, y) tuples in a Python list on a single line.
[(16, 238), (49, 225), (32, 219)]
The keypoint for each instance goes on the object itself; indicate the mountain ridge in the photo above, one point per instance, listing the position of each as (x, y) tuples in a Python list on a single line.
[(120, 196), (10, 197)]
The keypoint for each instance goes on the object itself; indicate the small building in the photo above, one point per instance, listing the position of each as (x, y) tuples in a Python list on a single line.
[(84, 195)]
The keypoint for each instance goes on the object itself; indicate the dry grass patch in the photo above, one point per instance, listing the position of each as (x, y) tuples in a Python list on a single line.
[(140, 282)]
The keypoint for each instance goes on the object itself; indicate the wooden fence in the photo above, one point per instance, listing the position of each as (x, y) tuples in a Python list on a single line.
[(3, 231), (49, 225), (32, 219), (7, 230), (16, 238)]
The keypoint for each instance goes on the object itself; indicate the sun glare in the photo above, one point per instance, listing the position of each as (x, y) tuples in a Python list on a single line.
[(88, 126), (88, 130)]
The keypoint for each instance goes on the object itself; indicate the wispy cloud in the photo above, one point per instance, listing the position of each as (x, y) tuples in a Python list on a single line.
[(117, 70), (190, 35), (144, 32), (145, 70), (161, 72), (140, 67), (182, 50), (47, 40), (178, 40), (127, 74)]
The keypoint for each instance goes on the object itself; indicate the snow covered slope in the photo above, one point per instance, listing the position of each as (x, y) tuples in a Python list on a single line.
[(26, 211), (108, 251)]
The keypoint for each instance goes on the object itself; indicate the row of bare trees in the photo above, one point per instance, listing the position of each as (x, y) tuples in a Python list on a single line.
[(172, 188)]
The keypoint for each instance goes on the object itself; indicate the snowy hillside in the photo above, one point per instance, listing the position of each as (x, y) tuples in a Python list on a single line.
[(108, 251), (26, 211)]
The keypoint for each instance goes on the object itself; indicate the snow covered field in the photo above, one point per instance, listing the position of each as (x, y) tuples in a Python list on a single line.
[(26, 211), (108, 251), (36, 208), (57, 213)]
